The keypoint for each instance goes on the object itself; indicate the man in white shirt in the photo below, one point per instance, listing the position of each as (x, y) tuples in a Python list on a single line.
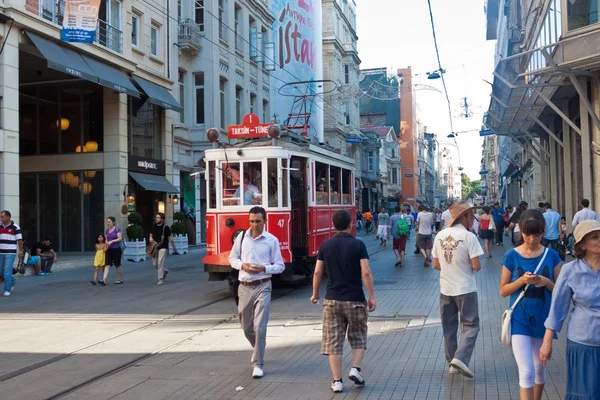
[(256, 254), (584, 214), (446, 216), (456, 254), (425, 223)]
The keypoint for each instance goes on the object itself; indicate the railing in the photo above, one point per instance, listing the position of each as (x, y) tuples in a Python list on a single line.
[(54, 11), (190, 34), (109, 36)]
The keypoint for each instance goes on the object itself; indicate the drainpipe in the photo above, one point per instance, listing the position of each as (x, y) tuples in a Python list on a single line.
[(168, 40)]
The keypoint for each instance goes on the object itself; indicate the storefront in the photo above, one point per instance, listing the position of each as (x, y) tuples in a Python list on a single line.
[(86, 131)]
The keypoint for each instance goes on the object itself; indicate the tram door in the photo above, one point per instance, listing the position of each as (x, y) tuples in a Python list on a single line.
[(299, 193)]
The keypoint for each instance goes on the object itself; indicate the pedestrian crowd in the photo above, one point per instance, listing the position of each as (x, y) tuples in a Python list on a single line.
[(109, 246), (542, 289)]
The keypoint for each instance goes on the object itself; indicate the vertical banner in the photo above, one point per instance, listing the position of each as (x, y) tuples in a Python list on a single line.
[(80, 21), (298, 39)]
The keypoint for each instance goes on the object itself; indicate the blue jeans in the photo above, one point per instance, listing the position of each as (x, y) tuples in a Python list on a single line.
[(550, 243), (6, 268)]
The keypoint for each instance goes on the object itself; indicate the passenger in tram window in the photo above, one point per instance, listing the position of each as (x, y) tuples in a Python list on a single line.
[(252, 194), (321, 194), (273, 192), (335, 197)]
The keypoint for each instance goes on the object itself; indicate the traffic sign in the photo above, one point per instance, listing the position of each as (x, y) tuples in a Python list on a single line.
[(486, 132)]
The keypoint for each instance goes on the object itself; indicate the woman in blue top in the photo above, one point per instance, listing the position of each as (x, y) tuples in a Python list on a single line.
[(579, 282), (527, 324)]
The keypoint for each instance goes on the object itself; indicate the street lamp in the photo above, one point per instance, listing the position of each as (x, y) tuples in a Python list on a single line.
[(483, 170)]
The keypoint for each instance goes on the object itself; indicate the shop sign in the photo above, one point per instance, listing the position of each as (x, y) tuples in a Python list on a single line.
[(80, 21), (250, 128), (147, 165)]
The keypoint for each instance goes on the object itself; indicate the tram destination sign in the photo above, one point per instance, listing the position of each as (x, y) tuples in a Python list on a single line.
[(250, 128)]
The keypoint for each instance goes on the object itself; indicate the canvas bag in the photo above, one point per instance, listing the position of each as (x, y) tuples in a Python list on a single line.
[(154, 246), (505, 335)]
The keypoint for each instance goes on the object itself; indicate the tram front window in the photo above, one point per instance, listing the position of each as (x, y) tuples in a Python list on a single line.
[(242, 187), (346, 187)]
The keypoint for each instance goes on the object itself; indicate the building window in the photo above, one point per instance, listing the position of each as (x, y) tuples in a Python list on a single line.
[(178, 10), (580, 13), (265, 116), (239, 39), (154, 41), (393, 153), (223, 100), (181, 81), (60, 118), (199, 14), (371, 161), (252, 103), (66, 205), (135, 30), (145, 127), (199, 86), (394, 175), (346, 74), (238, 104), (347, 114), (222, 24)]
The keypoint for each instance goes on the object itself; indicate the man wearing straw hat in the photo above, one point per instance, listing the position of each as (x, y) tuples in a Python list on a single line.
[(456, 254)]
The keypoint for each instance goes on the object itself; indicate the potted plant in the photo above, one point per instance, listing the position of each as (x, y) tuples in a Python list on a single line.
[(135, 245), (180, 238)]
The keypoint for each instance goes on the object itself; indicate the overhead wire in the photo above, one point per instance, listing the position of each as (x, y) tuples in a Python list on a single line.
[(162, 10), (437, 53)]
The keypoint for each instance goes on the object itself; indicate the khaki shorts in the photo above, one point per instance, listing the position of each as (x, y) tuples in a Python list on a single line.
[(339, 317)]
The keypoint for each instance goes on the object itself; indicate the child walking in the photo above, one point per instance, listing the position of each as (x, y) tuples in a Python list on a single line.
[(99, 258)]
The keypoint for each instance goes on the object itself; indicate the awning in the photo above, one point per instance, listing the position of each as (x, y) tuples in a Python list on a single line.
[(158, 95), (63, 59), (155, 183), (111, 77)]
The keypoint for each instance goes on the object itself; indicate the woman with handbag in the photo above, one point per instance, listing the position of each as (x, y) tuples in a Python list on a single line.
[(579, 284), (528, 275)]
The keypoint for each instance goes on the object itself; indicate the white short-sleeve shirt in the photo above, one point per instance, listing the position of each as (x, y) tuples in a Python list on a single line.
[(455, 247)]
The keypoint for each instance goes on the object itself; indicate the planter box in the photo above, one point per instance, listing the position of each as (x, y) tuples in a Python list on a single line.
[(135, 251), (181, 243)]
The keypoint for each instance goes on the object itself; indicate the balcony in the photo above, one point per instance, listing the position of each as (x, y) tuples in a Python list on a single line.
[(190, 36), (53, 11)]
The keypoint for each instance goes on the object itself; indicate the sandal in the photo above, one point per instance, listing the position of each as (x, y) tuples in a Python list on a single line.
[(118, 282)]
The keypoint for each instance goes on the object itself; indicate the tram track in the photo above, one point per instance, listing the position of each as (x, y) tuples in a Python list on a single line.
[(64, 393)]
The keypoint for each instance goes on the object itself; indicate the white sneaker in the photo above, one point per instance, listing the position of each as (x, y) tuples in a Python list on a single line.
[(160, 282), (462, 367), (257, 372), (6, 294), (356, 376), (453, 371), (337, 386)]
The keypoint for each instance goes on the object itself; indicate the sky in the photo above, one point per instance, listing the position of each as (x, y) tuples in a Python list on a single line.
[(397, 33)]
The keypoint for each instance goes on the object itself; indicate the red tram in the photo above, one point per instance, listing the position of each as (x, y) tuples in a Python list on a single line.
[(300, 185)]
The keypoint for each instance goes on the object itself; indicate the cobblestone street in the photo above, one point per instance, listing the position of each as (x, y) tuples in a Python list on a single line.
[(183, 341)]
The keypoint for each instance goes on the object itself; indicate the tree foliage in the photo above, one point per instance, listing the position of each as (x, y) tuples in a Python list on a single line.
[(470, 189)]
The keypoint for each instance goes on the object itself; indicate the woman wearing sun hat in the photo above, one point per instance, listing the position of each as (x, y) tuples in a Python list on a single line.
[(579, 283)]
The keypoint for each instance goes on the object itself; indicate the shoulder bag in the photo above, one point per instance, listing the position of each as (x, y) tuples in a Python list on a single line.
[(154, 246), (507, 315), (234, 281)]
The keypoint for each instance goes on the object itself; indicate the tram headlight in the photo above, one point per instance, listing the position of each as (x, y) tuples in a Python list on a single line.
[(212, 135), (229, 222), (274, 131), (235, 235)]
